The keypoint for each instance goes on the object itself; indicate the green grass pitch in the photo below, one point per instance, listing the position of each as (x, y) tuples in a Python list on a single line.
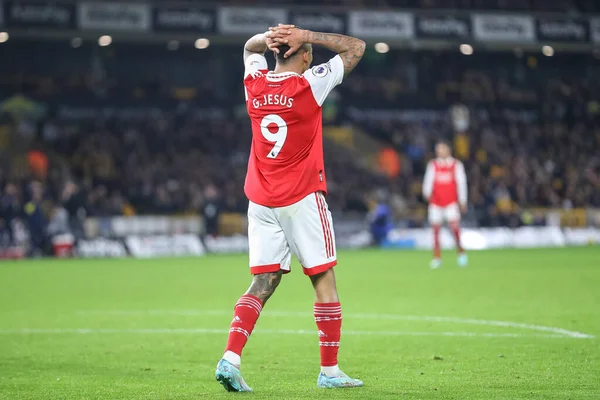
[(516, 324)]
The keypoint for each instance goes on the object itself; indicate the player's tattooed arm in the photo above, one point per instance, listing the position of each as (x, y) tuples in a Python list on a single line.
[(257, 44), (263, 285), (349, 48)]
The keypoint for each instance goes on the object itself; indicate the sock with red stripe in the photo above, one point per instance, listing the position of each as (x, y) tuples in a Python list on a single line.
[(328, 317), (246, 313), (436, 241)]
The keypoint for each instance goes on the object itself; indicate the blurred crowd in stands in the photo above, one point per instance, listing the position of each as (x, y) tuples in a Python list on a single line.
[(140, 130)]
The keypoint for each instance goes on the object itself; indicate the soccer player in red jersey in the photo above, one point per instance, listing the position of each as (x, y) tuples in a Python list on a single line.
[(445, 188), (286, 185)]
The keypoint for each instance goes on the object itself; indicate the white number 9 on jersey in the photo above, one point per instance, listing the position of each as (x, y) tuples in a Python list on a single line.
[(278, 137)]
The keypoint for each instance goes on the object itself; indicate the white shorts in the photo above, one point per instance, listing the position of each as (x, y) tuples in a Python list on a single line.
[(304, 229), (439, 215)]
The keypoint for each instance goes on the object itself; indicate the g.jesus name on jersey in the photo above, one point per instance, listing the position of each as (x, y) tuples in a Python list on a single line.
[(286, 159)]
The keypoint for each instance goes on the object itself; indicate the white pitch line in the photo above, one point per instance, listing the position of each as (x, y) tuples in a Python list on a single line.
[(201, 331), (470, 321), (387, 317)]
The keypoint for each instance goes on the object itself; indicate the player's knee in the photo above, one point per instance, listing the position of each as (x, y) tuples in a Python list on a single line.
[(454, 224)]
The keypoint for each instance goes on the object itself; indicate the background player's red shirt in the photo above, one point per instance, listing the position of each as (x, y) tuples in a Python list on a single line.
[(286, 159), (445, 182)]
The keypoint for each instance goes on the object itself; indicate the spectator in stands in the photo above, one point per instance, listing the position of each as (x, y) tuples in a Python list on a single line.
[(36, 220), (58, 223), (381, 219), (73, 204), (211, 210), (10, 209)]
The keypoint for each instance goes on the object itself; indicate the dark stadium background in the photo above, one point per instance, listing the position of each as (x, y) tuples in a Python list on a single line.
[(112, 109)]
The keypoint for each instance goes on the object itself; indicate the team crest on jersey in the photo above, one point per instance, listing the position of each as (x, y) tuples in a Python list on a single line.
[(321, 70)]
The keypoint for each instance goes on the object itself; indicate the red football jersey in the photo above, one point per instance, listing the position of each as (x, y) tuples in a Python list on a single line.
[(286, 158), (445, 182)]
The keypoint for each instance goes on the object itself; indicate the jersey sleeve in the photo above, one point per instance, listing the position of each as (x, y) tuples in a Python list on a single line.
[(325, 77), (428, 181), (255, 62), (461, 183)]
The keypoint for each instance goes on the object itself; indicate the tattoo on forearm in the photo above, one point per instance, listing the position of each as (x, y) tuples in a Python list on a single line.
[(263, 286), (349, 48), (256, 44)]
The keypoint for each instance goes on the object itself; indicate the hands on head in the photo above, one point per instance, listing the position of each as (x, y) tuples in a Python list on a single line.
[(288, 35)]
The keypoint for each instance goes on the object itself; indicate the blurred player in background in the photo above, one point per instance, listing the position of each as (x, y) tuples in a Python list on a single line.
[(445, 189), (286, 186)]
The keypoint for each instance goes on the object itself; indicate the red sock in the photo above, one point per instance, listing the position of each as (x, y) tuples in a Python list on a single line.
[(436, 241), (455, 227), (328, 317), (245, 315)]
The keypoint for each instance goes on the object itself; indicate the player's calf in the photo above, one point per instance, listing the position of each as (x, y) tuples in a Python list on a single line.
[(246, 313), (462, 259), (263, 285), (455, 228), (436, 262)]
